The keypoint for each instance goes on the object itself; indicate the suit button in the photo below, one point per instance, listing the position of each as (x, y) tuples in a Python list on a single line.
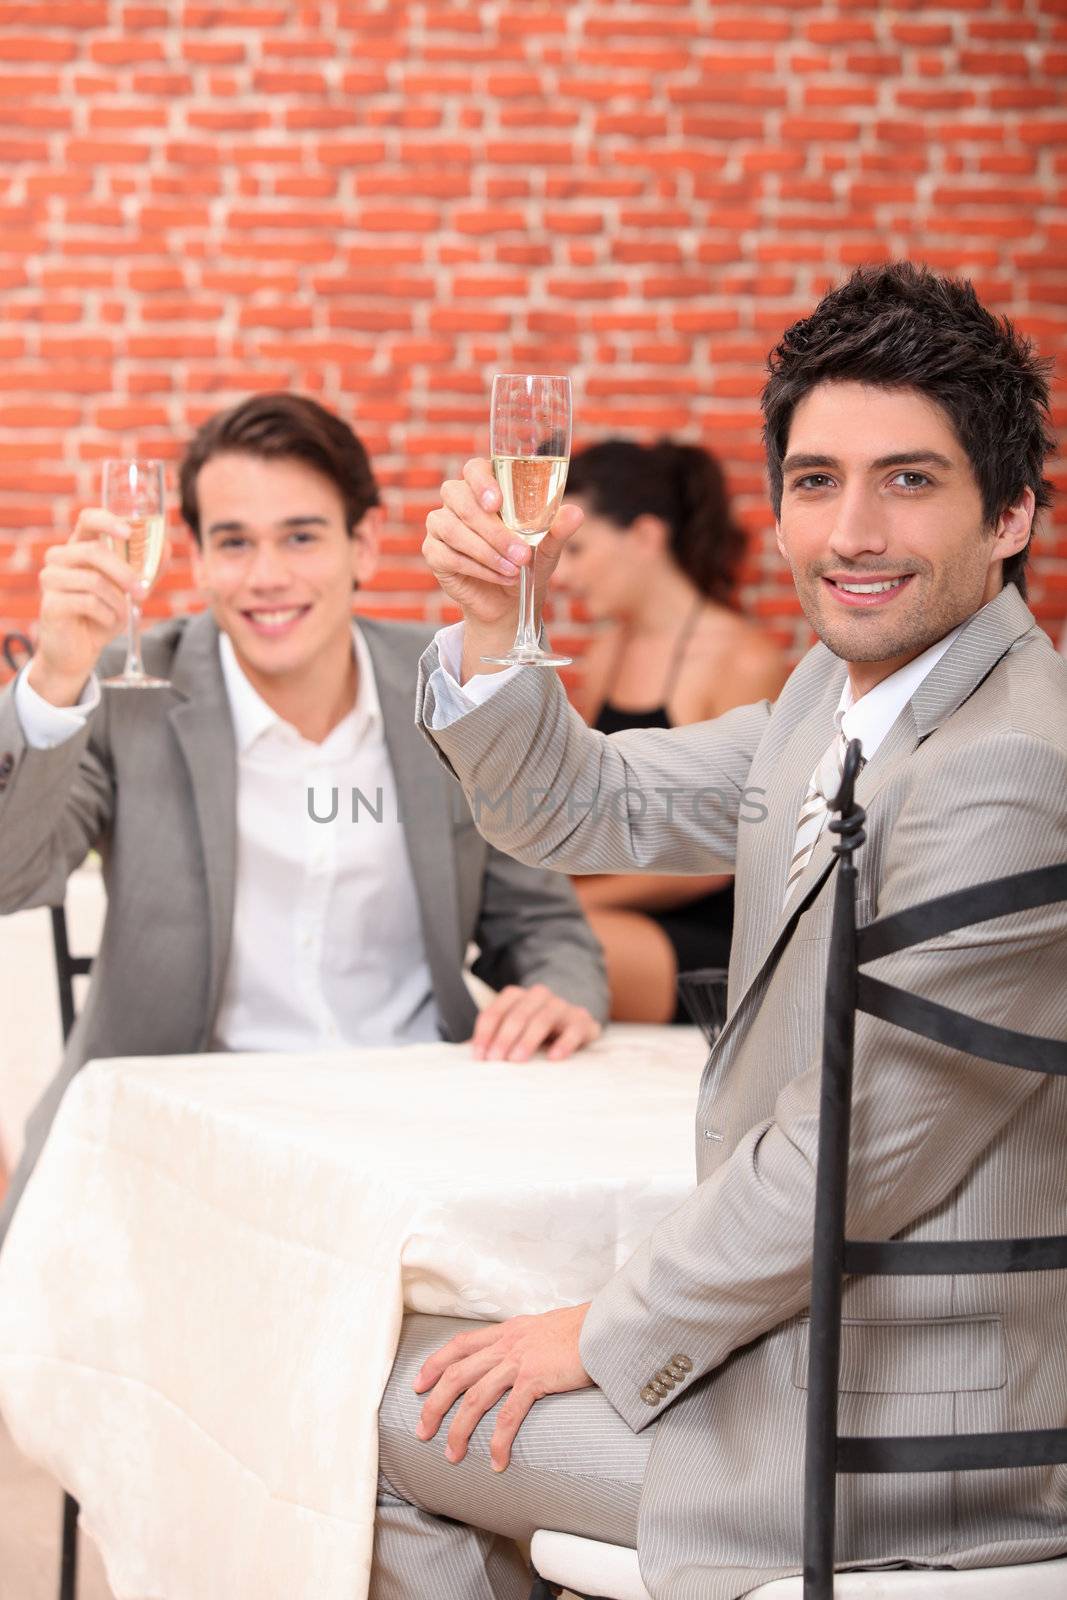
[(649, 1395), (659, 1388), (669, 1378), (681, 1363)]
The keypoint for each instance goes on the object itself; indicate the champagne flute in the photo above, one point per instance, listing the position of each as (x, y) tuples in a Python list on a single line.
[(133, 490), (530, 446)]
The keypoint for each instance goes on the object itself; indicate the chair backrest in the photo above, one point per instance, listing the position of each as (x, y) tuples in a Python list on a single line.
[(16, 649), (68, 968), (703, 994), (848, 991)]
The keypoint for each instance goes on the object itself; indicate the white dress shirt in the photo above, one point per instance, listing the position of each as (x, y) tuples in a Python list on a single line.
[(327, 948), (870, 718)]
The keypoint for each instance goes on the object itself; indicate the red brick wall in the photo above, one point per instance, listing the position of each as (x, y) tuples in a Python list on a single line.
[(383, 203)]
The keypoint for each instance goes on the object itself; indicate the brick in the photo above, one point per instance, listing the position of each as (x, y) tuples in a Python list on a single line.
[(127, 51), (39, 416), (350, 152), (935, 99), (24, 85), (105, 119), (398, 220), (213, 52), (36, 47), (840, 30), (807, 130), (922, 33), (105, 153)]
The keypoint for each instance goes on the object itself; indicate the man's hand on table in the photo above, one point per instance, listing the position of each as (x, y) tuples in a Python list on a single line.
[(516, 1022), (531, 1356)]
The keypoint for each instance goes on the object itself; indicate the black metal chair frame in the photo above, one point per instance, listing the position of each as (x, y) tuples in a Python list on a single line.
[(16, 644), (68, 968), (829, 1453)]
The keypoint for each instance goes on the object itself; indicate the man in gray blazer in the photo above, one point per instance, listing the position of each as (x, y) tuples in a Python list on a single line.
[(906, 433), (287, 866)]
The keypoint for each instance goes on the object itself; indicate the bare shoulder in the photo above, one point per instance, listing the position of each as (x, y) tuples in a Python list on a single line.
[(730, 662)]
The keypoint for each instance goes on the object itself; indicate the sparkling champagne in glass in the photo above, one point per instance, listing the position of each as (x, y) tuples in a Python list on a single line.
[(133, 490), (530, 446)]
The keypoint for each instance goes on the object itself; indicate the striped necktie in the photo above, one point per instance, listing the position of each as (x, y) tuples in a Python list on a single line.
[(825, 782)]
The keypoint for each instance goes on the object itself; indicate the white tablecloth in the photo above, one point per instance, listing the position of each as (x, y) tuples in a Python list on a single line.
[(201, 1292)]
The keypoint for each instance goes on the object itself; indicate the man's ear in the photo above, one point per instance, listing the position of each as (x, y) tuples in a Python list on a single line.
[(366, 545), (196, 560), (780, 542), (1013, 527)]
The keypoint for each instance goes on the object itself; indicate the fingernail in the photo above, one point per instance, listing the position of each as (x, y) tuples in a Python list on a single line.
[(497, 1466), (508, 569), (489, 499), (451, 1454), (420, 1430), (517, 552)]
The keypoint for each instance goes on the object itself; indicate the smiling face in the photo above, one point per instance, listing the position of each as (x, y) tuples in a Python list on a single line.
[(278, 567), (881, 524)]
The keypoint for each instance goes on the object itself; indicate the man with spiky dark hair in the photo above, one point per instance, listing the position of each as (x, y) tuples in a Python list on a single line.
[(906, 432)]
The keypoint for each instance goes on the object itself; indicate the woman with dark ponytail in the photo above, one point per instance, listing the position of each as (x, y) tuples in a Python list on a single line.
[(657, 560)]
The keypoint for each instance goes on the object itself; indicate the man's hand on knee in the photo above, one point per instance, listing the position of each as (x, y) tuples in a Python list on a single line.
[(531, 1356)]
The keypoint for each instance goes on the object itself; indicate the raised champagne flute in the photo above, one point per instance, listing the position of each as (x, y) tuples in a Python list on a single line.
[(530, 446), (133, 491)]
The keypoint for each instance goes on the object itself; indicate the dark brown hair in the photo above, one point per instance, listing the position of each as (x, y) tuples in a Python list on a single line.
[(904, 327), (681, 484), (278, 427)]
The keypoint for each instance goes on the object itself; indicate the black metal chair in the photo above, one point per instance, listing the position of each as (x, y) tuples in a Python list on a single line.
[(68, 967), (848, 991), (14, 646), (703, 994), (16, 650), (610, 1572)]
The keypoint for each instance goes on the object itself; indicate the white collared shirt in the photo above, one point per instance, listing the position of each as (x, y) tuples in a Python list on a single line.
[(327, 948), (870, 718)]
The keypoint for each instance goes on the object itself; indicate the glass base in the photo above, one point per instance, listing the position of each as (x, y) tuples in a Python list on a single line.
[(135, 681), (527, 656)]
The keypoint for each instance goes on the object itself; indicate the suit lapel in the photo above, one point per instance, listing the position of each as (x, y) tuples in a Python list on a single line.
[(204, 730), (424, 796), (970, 658)]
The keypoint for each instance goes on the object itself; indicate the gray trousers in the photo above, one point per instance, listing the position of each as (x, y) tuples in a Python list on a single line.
[(446, 1531)]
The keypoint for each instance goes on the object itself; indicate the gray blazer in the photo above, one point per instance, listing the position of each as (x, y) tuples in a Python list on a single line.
[(151, 782), (969, 784)]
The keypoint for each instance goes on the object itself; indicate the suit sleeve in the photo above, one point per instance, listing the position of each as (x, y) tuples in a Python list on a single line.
[(735, 1259), (55, 805), (549, 791), (531, 930)]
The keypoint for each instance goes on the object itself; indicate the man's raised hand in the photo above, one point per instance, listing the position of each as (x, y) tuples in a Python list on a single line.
[(476, 559), (84, 587)]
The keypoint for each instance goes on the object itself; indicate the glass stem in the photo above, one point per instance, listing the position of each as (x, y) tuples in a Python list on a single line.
[(134, 667), (527, 636)]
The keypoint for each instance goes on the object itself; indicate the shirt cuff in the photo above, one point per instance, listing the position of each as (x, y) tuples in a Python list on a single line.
[(45, 725), (452, 699)]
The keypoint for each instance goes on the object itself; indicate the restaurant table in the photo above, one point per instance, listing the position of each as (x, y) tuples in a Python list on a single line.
[(202, 1288)]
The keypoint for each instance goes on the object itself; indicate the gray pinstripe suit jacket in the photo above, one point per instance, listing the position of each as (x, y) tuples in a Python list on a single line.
[(969, 784)]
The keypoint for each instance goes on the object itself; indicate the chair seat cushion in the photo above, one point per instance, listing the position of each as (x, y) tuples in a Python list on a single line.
[(610, 1572)]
